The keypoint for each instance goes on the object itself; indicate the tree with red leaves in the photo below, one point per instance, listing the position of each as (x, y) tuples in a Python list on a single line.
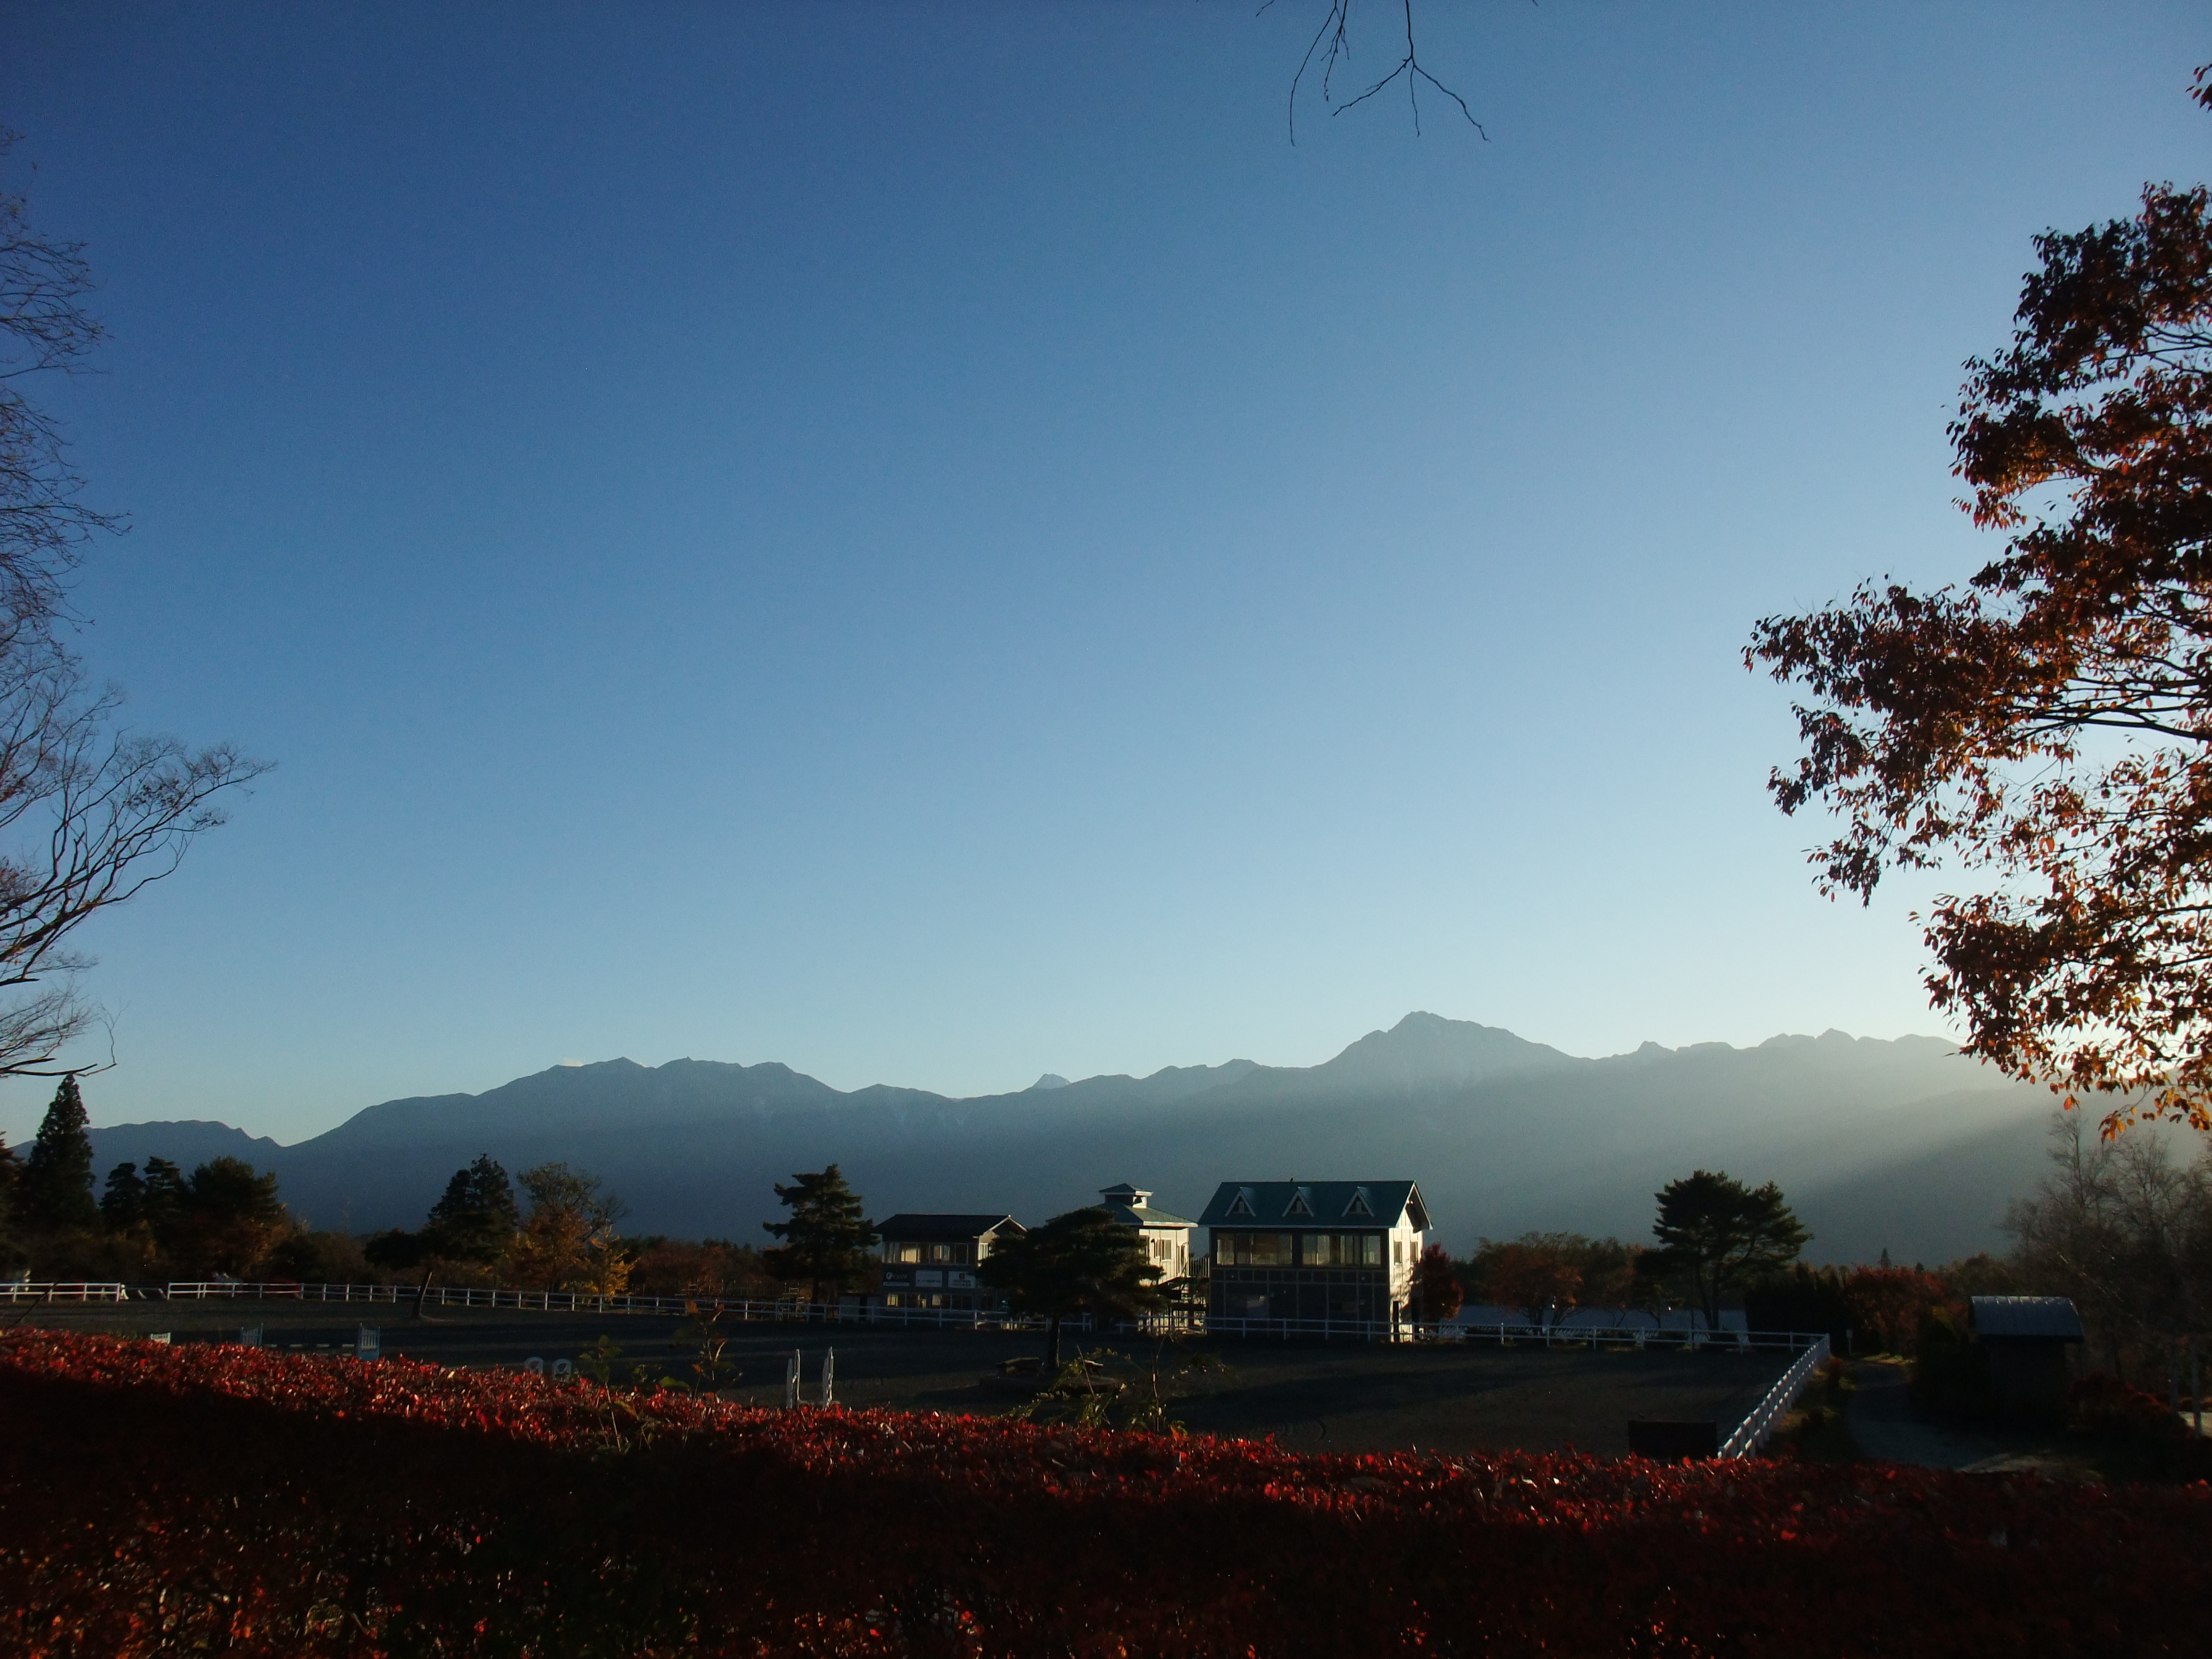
[(2049, 725), (1437, 1292)]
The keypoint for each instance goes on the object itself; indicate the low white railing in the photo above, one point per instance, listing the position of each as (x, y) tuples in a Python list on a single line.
[(1751, 1434), (1550, 1336), (1638, 1336), (815, 1313), (74, 1290), (202, 1290), (461, 1295)]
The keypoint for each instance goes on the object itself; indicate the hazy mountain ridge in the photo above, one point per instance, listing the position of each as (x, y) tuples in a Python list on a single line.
[(1878, 1142)]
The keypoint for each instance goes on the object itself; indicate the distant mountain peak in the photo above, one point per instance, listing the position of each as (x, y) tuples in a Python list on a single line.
[(1425, 1049), (1050, 1080)]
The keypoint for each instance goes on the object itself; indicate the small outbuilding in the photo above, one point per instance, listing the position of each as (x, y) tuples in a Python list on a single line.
[(2024, 1340)]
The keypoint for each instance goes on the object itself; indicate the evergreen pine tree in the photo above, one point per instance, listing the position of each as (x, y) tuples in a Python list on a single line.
[(10, 1170), (826, 1241), (166, 1202), (1083, 1262), (478, 1218), (123, 1206), (1716, 1235), (56, 1187)]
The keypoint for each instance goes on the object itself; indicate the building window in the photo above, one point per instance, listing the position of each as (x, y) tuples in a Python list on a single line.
[(1341, 1250), (904, 1253), (1256, 1249), (1398, 1251)]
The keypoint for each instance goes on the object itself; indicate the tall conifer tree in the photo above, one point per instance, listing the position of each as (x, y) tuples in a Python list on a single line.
[(825, 1242), (57, 1179), (11, 1169)]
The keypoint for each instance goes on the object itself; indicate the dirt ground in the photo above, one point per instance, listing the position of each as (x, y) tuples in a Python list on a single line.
[(1349, 1397)]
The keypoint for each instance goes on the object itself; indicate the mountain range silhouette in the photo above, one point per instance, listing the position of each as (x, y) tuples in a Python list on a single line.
[(1905, 1146)]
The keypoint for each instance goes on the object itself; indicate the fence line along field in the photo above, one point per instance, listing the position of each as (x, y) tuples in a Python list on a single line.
[(1354, 1397)]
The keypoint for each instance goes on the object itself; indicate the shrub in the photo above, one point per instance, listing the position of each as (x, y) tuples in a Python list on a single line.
[(1950, 1373), (260, 1503), (2104, 1405), (318, 1258)]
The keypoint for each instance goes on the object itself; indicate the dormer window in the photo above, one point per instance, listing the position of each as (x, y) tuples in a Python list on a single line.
[(1241, 1204), (1360, 1205), (1300, 1204)]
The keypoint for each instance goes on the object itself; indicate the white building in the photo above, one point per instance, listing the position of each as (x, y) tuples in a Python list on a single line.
[(1166, 1237)]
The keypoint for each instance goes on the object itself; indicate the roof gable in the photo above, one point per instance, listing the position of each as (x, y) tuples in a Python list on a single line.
[(1316, 1204)]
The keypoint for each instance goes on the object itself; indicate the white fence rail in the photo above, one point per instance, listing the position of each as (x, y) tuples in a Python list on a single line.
[(819, 1313), (62, 1291), (1751, 1434), (1638, 1336), (1550, 1336), (582, 1302)]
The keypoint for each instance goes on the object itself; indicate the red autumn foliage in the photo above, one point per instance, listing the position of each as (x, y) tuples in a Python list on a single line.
[(158, 1499)]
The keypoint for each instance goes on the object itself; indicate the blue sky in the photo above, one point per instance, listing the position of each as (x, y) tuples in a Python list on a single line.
[(930, 543)]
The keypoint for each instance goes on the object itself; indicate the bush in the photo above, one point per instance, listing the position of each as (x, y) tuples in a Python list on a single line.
[(191, 1498), (1950, 1372), (395, 1251), (2103, 1405), (318, 1258)]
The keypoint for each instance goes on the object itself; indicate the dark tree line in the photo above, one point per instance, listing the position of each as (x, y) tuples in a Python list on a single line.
[(159, 1222)]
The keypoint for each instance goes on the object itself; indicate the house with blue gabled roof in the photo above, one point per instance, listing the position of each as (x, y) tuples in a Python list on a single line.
[(1324, 1254)]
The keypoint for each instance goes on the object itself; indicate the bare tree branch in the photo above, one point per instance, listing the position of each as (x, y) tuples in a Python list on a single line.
[(1336, 30), (91, 813)]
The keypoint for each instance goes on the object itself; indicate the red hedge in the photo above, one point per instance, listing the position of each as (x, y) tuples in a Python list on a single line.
[(157, 1499)]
